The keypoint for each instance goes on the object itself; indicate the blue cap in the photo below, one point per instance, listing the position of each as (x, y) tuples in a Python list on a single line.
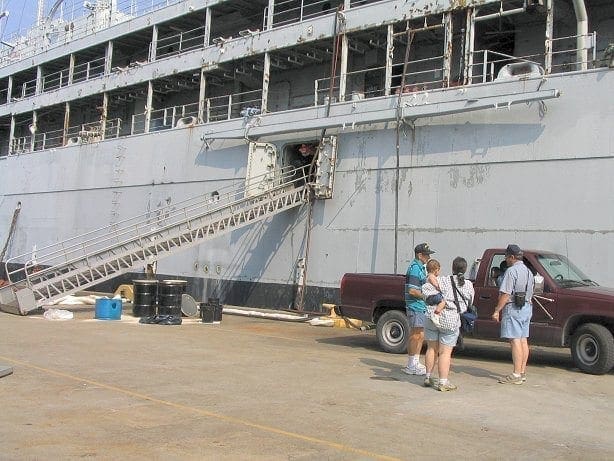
[(513, 250)]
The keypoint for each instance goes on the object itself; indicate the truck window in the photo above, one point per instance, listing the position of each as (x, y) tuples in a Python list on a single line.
[(495, 270), (564, 273)]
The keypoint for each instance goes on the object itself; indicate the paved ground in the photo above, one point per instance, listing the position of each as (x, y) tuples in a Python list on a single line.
[(260, 389)]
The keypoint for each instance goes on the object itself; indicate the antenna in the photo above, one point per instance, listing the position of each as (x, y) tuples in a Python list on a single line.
[(3, 14), (40, 19)]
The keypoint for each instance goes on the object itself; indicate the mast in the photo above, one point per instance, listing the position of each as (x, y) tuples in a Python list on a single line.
[(40, 18)]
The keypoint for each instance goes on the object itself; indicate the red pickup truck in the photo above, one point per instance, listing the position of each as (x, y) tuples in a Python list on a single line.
[(569, 309)]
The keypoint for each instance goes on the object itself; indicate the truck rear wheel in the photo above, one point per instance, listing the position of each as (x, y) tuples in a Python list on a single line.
[(592, 349), (393, 332)]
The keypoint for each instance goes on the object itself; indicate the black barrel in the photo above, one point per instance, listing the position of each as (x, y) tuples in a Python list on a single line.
[(169, 296), (145, 294), (217, 309), (217, 313), (206, 312)]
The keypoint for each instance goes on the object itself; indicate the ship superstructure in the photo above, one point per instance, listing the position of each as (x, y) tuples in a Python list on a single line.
[(460, 123)]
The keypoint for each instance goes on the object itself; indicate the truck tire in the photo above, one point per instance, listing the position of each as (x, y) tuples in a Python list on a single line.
[(592, 349), (393, 332)]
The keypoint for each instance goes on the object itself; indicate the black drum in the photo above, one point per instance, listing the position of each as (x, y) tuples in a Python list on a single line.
[(169, 297), (207, 312), (217, 309), (145, 297)]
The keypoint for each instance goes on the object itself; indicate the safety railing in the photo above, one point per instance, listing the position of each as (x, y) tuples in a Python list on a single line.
[(138, 123), (216, 108), (230, 106), (89, 70), (565, 53), (322, 90), (147, 227), (429, 75), (291, 11), (173, 117), (75, 23), (77, 134), (563, 58), (55, 80), (180, 43), (140, 7), (48, 140), (20, 145), (487, 64), (24, 90), (165, 119)]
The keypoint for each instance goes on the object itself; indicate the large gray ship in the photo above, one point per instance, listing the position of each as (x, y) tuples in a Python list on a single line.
[(261, 149)]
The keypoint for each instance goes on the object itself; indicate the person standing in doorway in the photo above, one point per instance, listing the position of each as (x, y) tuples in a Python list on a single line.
[(515, 295), (416, 308)]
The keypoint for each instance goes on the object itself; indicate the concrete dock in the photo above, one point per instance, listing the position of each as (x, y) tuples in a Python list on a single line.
[(261, 389)]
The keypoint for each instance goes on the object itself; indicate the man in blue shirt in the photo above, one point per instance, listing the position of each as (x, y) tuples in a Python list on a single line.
[(515, 295), (416, 308)]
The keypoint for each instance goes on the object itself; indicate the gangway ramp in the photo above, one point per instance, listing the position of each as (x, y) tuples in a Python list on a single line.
[(70, 266)]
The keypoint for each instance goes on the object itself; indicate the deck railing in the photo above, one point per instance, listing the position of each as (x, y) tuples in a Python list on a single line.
[(88, 70), (56, 80), (24, 90), (165, 119), (487, 64), (76, 134), (565, 50), (290, 11), (77, 23), (429, 76), (214, 109), (180, 43), (230, 106)]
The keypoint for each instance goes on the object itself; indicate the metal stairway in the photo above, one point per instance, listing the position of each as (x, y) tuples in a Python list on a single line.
[(89, 259)]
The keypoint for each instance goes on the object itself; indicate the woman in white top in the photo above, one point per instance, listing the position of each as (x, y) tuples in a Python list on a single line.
[(442, 338)]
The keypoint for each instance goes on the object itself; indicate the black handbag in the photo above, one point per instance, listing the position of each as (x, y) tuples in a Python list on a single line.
[(468, 317)]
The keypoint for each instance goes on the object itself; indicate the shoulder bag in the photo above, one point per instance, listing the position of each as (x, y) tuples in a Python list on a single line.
[(468, 317)]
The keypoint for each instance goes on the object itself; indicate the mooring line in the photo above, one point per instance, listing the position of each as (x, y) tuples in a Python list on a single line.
[(210, 414)]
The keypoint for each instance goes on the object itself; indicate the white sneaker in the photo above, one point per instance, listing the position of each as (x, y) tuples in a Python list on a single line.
[(418, 369)]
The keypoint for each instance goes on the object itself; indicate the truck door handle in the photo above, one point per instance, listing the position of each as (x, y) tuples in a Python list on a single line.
[(484, 297)]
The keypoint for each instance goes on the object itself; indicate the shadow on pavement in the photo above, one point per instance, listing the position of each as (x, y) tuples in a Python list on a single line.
[(500, 352), (362, 341), (386, 371), (479, 350)]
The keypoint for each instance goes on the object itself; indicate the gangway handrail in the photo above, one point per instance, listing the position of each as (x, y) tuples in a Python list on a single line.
[(172, 215), (73, 268), (88, 257), (115, 226)]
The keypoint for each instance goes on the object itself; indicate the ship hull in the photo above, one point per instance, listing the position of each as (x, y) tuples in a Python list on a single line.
[(536, 174)]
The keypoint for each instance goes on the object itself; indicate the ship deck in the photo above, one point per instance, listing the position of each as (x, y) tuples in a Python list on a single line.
[(261, 389)]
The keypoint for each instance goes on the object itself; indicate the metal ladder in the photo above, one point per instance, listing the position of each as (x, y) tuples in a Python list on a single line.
[(89, 259)]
